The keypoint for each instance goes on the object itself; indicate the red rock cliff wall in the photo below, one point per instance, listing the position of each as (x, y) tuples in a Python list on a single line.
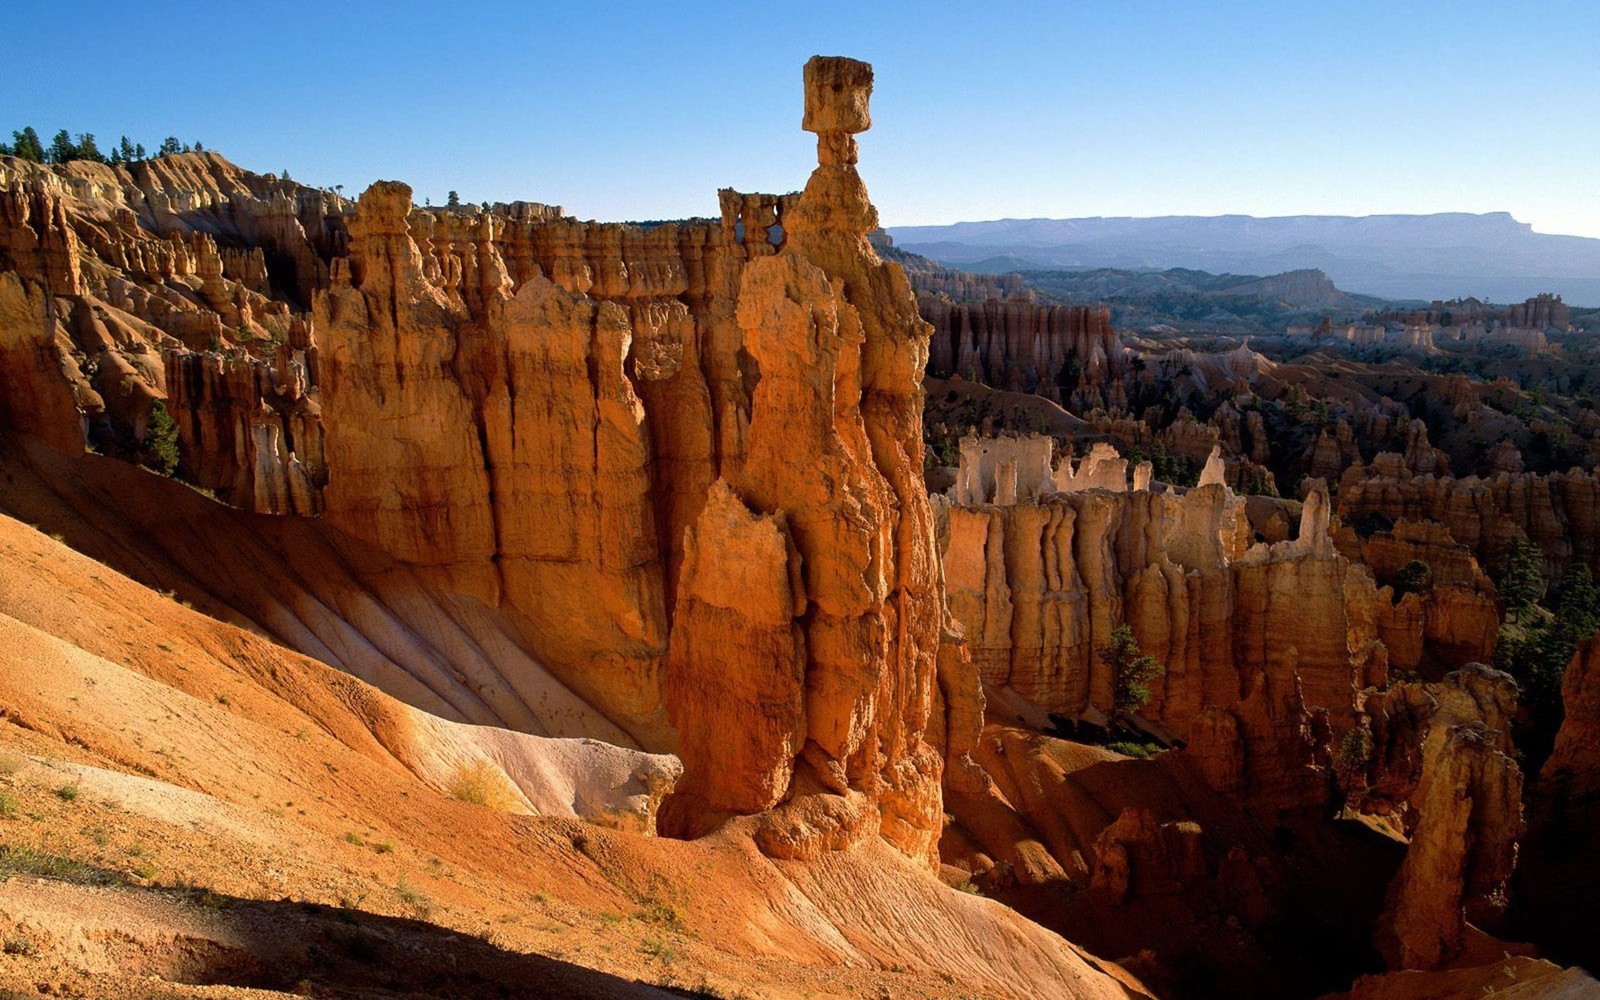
[(572, 423), (1039, 586)]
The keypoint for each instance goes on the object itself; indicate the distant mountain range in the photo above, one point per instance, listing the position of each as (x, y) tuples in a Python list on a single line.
[(1193, 301), (1416, 257)]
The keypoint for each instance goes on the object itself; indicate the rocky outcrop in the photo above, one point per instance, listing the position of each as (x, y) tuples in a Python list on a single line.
[(1442, 757), (1004, 470), (829, 508), (251, 429), (113, 269), (1575, 761), (1307, 287), (1038, 586), (1007, 470), (1144, 859), (1540, 311), (1560, 870), (1023, 346), (494, 437), (1140, 855), (1454, 617), (1559, 512), (1265, 751)]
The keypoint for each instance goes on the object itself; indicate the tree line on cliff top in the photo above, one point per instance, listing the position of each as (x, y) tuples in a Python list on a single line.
[(64, 148)]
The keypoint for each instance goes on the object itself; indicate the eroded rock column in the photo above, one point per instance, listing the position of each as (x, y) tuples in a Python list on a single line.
[(834, 465)]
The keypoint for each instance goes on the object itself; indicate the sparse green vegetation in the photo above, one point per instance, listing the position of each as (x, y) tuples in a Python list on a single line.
[(18, 859), (1258, 482), (1134, 748), (1354, 753), (1132, 671), (661, 913), (412, 899), (67, 793), (1536, 644), (1415, 577), (1168, 467), (160, 452), (26, 145), (1522, 584), (659, 949)]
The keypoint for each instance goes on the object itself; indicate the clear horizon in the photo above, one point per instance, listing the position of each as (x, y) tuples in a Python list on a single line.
[(634, 111)]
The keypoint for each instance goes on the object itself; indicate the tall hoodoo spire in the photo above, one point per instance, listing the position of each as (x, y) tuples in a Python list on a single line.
[(835, 693)]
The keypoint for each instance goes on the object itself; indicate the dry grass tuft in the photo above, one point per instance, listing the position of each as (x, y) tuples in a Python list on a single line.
[(10, 763), (482, 784)]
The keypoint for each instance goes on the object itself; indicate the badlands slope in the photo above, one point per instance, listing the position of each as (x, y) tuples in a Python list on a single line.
[(240, 814)]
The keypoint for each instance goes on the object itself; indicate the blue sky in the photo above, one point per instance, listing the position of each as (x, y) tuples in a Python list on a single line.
[(982, 110)]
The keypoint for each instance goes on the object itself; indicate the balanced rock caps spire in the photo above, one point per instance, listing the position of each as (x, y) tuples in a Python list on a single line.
[(835, 710), (835, 203)]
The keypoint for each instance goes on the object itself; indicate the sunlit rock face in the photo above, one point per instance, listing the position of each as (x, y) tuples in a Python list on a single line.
[(1038, 584), (828, 505), (682, 465)]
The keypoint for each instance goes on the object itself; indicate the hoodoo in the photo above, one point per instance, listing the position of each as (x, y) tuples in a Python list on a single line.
[(833, 660)]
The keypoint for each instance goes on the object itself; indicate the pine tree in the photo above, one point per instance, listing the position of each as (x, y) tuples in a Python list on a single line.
[(87, 148), (1132, 670), (126, 149), (61, 149), (1536, 648), (27, 145), (1578, 608), (161, 441), (169, 146), (452, 200), (1522, 584), (138, 151)]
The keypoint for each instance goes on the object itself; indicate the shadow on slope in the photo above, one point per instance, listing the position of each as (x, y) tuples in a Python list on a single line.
[(302, 583), (201, 938), (1214, 900)]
